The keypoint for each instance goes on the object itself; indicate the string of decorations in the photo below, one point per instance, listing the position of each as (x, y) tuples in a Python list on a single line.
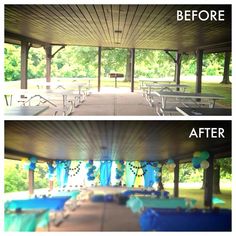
[(74, 171), (137, 168)]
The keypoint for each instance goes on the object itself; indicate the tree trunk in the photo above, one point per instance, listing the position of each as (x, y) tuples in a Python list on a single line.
[(203, 180), (216, 179), (128, 66), (226, 69)]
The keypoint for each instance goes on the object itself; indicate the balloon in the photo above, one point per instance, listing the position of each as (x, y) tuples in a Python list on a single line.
[(204, 164), (197, 154), (172, 165), (197, 166), (159, 165), (159, 174), (170, 161), (171, 169), (196, 161), (205, 155), (33, 159), (32, 166), (24, 159)]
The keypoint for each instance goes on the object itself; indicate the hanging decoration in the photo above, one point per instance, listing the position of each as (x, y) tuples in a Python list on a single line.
[(199, 159), (51, 170), (135, 168), (75, 170), (29, 163), (120, 169), (62, 167), (91, 169), (170, 165)]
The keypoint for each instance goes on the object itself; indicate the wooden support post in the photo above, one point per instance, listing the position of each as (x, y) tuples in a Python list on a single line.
[(209, 183), (132, 68), (99, 67), (24, 63), (160, 185), (226, 68), (199, 54), (178, 68), (31, 182), (48, 50), (176, 179), (50, 185)]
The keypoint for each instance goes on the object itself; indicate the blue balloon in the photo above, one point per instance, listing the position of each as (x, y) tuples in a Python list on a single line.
[(32, 166), (197, 166)]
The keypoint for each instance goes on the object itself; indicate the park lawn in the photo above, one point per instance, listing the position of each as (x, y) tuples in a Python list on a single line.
[(198, 194)]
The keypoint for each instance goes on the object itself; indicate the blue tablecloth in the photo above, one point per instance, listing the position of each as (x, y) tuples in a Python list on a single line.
[(53, 203), (158, 193), (181, 220)]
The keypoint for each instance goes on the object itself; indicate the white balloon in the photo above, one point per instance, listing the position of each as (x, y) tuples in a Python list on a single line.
[(204, 164)]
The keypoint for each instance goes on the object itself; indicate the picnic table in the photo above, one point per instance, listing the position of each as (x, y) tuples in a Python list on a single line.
[(146, 81), (55, 204), (158, 193), (198, 111), (185, 220), (194, 99), (25, 221), (24, 110), (149, 88), (137, 204)]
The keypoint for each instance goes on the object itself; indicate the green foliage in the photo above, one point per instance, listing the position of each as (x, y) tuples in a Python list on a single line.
[(16, 178), (74, 61)]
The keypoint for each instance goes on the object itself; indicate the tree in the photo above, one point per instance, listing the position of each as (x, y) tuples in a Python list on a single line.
[(222, 169), (226, 68)]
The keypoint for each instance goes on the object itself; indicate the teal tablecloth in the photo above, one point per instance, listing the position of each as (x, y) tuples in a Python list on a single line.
[(26, 221), (137, 204)]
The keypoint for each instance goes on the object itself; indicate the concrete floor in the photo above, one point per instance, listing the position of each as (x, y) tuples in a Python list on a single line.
[(90, 216), (110, 102)]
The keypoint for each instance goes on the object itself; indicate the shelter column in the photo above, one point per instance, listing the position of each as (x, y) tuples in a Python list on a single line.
[(132, 68), (199, 54), (99, 67), (24, 63), (31, 182), (209, 183), (176, 179), (48, 50), (177, 68)]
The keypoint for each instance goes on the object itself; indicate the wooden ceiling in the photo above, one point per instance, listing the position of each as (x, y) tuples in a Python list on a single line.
[(111, 140), (127, 26)]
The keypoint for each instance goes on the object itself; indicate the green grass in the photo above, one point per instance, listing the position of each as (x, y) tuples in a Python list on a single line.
[(198, 194)]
